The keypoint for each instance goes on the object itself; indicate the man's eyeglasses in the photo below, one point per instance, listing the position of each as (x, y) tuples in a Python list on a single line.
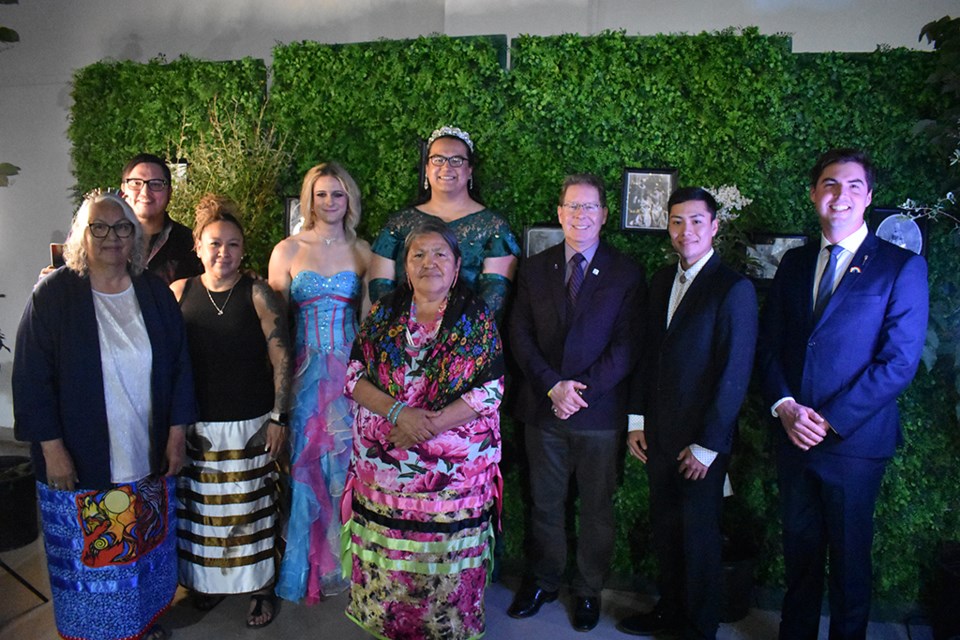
[(586, 207), (439, 161), (122, 229), (156, 184)]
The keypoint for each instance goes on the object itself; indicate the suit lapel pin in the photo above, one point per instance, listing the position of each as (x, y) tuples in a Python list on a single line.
[(596, 272), (854, 269)]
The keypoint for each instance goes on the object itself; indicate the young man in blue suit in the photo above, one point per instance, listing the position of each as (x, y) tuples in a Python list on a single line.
[(841, 337), (574, 333), (699, 338)]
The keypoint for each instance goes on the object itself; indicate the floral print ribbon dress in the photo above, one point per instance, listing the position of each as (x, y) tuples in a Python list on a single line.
[(418, 532)]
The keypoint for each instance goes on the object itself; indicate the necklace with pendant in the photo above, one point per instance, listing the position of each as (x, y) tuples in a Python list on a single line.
[(215, 305)]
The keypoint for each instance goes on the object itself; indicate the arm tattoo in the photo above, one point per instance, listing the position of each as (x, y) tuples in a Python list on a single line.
[(278, 342)]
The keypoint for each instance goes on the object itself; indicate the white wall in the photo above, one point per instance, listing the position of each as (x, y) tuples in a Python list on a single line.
[(58, 37)]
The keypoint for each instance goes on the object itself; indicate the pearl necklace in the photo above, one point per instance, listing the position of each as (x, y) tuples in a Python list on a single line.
[(215, 306)]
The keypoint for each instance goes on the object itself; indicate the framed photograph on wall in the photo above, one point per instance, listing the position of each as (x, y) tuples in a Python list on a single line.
[(766, 250), (292, 220), (898, 227), (645, 195), (540, 236)]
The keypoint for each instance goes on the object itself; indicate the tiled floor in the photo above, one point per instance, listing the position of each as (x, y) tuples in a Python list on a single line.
[(24, 617)]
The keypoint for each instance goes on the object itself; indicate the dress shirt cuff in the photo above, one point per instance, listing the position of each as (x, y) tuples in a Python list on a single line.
[(773, 409), (634, 422), (703, 455)]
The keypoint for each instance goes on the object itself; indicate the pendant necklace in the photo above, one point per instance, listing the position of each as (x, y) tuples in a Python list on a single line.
[(217, 307)]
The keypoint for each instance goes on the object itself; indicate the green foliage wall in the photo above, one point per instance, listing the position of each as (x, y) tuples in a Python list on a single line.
[(121, 109), (733, 107)]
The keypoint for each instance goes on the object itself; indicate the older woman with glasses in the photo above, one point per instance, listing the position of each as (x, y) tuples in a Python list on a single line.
[(449, 195), (102, 387)]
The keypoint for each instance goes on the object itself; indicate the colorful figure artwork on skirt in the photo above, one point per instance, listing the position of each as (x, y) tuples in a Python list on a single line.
[(120, 525)]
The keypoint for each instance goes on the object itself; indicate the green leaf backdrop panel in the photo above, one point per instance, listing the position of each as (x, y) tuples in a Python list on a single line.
[(124, 108)]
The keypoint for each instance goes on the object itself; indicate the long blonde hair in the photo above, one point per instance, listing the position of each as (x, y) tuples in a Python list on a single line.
[(352, 218)]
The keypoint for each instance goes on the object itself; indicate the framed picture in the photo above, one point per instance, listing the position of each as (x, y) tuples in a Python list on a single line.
[(645, 195), (898, 227), (292, 220), (766, 250), (541, 236)]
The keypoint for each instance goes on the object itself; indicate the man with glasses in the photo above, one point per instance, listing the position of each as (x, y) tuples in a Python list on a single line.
[(146, 188), (575, 334)]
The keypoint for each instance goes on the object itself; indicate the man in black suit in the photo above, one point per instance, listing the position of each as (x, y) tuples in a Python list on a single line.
[(699, 337), (574, 333), (842, 333)]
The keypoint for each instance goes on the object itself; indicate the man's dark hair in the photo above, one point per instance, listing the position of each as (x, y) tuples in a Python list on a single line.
[(844, 155), (587, 179), (146, 158), (686, 194)]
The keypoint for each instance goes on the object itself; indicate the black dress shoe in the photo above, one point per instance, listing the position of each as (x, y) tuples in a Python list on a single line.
[(648, 624), (528, 601), (586, 613)]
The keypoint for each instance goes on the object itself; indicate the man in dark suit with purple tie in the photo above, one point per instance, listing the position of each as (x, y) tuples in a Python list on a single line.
[(700, 333), (575, 333), (841, 337)]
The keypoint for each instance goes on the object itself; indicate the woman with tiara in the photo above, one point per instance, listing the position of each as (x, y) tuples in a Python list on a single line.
[(449, 195)]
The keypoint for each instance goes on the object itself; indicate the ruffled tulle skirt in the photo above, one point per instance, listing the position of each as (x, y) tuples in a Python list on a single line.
[(322, 434)]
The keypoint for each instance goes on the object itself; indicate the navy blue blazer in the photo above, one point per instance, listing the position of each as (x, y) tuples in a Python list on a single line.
[(851, 365), (596, 344), (695, 374), (58, 380)]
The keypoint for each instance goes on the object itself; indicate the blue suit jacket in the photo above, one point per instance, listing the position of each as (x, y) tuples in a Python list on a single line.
[(851, 365), (695, 374), (596, 344)]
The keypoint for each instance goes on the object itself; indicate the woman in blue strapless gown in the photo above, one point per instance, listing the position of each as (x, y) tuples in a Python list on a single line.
[(320, 271)]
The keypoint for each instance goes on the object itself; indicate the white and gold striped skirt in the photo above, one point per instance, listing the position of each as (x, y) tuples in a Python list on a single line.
[(227, 508)]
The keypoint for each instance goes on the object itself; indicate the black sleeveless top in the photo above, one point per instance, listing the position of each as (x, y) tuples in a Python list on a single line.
[(232, 374)]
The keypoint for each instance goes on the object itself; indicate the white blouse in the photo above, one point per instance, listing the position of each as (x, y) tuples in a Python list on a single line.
[(126, 359)]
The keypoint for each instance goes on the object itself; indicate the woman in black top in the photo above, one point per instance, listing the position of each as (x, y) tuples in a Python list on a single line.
[(236, 330)]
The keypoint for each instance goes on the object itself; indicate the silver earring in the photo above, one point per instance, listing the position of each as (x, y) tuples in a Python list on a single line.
[(426, 183), (470, 184)]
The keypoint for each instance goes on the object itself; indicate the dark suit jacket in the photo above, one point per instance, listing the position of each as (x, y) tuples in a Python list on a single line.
[(863, 352), (596, 344), (695, 374)]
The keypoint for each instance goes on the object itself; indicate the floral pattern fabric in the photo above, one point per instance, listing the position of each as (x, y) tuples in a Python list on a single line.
[(419, 522)]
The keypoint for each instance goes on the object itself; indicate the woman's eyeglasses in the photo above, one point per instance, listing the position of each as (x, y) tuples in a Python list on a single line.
[(454, 161), (122, 229)]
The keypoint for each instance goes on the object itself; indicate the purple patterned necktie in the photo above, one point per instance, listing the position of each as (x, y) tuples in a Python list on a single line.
[(576, 278)]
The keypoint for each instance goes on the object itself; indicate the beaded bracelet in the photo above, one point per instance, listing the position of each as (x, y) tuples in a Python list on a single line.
[(394, 412)]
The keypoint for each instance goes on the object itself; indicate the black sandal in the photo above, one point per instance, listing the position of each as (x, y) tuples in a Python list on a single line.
[(259, 599)]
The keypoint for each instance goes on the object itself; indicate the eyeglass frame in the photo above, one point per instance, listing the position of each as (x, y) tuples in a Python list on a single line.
[(587, 207), (461, 160), (164, 184), (113, 227)]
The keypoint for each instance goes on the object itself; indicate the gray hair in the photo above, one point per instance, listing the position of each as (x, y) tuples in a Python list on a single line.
[(75, 252)]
